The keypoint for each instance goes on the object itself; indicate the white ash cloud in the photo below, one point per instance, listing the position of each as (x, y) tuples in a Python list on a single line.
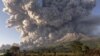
[(43, 22)]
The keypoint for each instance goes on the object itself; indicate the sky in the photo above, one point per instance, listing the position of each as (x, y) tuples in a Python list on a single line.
[(7, 35), (10, 35)]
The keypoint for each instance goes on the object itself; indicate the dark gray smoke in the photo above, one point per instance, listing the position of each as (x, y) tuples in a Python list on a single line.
[(44, 22)]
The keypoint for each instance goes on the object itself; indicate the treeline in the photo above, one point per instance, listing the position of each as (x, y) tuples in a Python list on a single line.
[(75, 48)]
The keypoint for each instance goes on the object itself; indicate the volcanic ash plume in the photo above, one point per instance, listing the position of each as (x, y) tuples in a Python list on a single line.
[(44, 22)]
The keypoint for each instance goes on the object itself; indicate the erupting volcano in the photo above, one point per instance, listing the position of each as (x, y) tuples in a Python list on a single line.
[(45, 22)]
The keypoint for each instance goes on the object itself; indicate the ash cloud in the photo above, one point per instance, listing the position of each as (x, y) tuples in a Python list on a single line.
[(44, 22)]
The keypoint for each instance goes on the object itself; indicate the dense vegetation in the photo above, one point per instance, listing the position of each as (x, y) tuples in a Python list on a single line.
[(75, 48)]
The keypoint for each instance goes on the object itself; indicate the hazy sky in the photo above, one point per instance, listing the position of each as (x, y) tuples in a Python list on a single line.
[(9, 36)]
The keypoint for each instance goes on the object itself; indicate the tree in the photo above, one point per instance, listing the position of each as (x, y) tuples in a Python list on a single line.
[(85, 49), (76, 48), (15, 50), (8, 53)]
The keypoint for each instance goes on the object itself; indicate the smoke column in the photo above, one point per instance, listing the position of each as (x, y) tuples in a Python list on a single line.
[(45, 22)]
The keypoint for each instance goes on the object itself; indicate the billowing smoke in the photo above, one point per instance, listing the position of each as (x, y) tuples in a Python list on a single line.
[(45, 22)]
